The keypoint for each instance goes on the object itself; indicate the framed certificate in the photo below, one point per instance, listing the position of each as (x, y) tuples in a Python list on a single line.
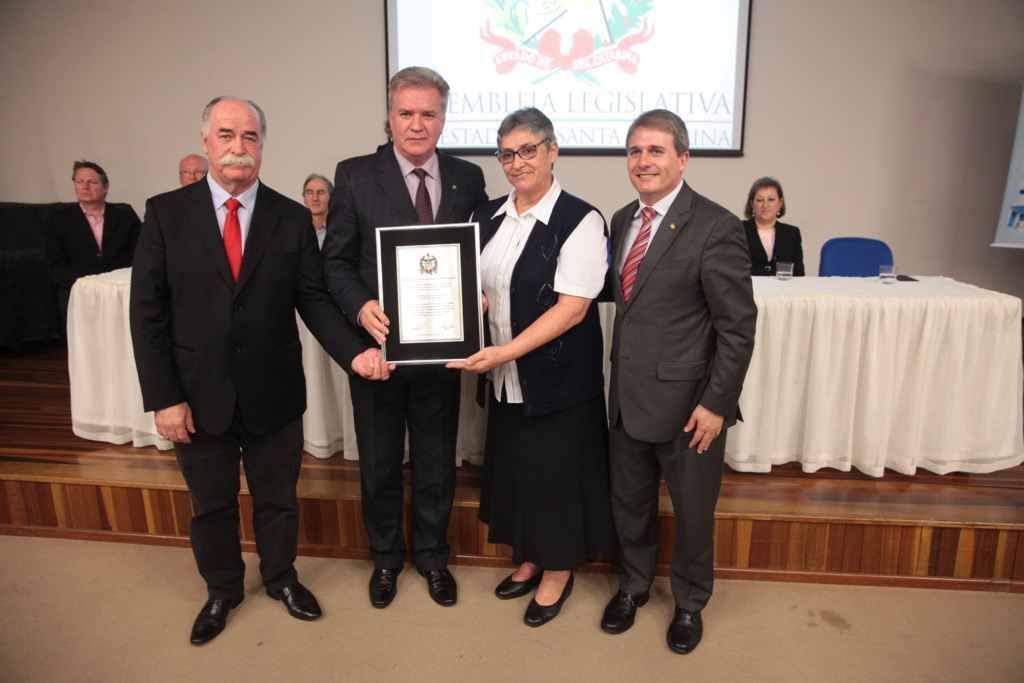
[(429, 282)]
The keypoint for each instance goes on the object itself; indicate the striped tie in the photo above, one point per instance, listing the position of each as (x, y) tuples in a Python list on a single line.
[(636, 253)]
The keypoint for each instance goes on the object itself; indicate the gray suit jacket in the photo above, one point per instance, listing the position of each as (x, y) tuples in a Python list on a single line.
[(686, 336)]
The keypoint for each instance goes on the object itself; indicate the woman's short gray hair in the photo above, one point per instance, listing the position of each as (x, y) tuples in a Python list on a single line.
[(533, 120)]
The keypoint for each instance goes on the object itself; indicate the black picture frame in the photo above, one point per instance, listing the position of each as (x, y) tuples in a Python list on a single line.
[(461, 237)]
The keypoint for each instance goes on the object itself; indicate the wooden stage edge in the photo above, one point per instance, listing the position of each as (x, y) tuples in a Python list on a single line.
[(955, 531)]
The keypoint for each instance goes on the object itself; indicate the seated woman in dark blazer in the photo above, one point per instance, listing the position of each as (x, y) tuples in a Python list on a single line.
[(769, 240)]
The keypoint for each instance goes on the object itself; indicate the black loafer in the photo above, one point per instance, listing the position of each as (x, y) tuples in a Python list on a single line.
[(621, 611), (685, 631), (383, 586), (538, 615), (509, 588), (441, 586), (300, 602), (212, 619)]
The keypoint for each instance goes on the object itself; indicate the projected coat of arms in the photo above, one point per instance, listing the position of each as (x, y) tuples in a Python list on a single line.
[(534, 34)]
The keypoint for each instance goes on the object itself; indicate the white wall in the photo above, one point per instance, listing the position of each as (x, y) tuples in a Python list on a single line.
[(884, 119)]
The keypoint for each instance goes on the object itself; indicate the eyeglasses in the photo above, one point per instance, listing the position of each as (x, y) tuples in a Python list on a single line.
[(507, 156), (192, 173)]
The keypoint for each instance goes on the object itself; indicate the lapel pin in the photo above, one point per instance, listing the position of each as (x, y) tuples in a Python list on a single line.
[(455, 187), (671, 226)]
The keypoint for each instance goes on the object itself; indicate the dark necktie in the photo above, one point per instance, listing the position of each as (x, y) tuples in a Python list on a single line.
[(424, 211), (233, 236), (636, 253)]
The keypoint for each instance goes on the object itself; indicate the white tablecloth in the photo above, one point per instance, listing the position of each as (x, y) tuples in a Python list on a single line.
[(106, 402), (848, 372)]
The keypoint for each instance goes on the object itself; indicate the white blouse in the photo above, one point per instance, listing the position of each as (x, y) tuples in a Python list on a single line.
[(582, 263)]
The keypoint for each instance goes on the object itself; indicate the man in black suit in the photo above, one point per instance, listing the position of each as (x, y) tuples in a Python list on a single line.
[(90, 237), (682, 340), (406, 182), (221, 267)]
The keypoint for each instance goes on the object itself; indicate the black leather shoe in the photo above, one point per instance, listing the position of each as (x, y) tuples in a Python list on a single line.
[(685, 631), (383, 586), (300, 602), (538, 615), (510, 588), (621, 611), (441, 586), (212, 619)]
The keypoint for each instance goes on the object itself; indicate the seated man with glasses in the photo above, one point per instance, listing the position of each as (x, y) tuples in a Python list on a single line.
[(192, 169)]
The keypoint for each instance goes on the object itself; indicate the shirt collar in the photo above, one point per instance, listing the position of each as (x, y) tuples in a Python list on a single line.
[(220, 195), (432, 167), (541, 211), (664, 204), (95, 215)]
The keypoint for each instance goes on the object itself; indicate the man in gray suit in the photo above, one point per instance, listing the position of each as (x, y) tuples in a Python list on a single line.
[(683, 337)]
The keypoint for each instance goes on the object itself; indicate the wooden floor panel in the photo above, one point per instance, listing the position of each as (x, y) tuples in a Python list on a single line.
[(954, 530)]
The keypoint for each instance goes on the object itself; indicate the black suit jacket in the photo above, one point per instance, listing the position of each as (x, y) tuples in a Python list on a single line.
[(71, 250), (201, 337), (787, 248), (370, 193)]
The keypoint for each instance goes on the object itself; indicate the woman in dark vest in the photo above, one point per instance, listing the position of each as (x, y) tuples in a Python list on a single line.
[(544, 258)]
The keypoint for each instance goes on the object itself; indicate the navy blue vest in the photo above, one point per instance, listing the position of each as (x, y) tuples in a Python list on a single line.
[(567, 370)]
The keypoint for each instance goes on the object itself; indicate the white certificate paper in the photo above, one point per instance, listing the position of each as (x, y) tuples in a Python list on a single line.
[(429, 293)]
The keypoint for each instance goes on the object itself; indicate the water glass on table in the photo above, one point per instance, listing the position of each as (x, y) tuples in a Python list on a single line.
[(887, 274), (784, 270)]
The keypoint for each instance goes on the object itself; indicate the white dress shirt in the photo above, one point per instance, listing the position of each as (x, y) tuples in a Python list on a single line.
[(247, 198)]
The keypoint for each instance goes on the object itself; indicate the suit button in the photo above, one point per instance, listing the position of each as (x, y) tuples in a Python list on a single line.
[(237, 307), (625, 321)]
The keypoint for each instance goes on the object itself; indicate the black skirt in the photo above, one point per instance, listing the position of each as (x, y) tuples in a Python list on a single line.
[(545, 487)]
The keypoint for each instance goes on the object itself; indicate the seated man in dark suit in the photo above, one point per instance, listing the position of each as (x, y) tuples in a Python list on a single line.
[(90, 237)]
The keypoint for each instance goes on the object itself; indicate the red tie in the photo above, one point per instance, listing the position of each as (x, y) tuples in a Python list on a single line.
[(636, 253), (233, 236)]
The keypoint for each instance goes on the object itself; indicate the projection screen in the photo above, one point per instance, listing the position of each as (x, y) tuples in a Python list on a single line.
[(591, 65)]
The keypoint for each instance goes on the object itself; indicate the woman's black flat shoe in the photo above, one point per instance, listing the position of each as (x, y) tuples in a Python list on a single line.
[(509, 589), (538, 615)]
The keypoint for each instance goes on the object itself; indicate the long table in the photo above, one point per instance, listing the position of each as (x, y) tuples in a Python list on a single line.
[(106, 401), (847, 373), (850, 372)]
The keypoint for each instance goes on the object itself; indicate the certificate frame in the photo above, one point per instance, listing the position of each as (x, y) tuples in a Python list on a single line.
[(434, 305)]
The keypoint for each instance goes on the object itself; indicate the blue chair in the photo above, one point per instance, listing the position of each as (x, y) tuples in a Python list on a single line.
[(853, 257)]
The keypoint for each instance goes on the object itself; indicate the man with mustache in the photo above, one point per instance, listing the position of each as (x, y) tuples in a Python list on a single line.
[(221, 267), (405, 182)]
